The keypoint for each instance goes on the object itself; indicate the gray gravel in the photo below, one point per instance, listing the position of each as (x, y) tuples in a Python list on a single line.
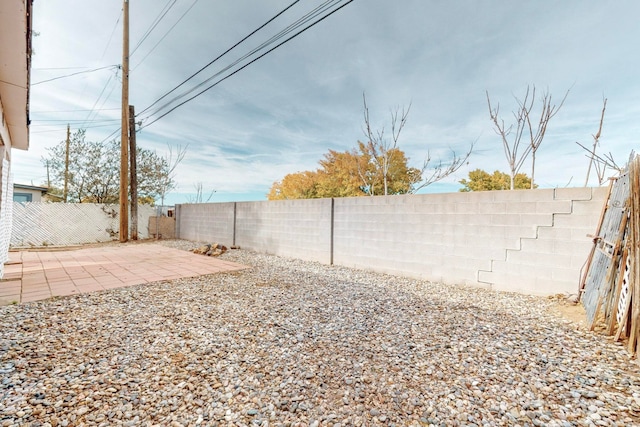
[(292, 343)]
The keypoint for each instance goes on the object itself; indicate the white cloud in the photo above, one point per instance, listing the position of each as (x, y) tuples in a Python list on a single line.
[(280, 114)]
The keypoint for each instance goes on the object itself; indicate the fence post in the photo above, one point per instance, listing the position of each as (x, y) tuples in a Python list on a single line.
[(235, 204), (177, 215), (333, 204)]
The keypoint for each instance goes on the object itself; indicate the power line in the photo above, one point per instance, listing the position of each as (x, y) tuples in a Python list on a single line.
[(154, 24), (166, 34), (111, 134), (12, 84), (58, 68), (93, 108), (36, 121), (71, 111), (220, 56), (74, 74), (244, 66), (306, 18), (111, 36), (59, 128)]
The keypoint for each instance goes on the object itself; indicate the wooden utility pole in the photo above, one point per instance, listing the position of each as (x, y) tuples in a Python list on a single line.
[(124, 136), (134, 173), (66, 165)]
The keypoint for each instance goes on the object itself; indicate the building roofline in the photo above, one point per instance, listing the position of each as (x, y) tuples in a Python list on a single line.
[(30, 187)]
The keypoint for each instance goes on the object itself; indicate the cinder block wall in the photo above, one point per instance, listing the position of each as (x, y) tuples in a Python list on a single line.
[(529, 241), (206, 222), (551, 261), (293, 228)]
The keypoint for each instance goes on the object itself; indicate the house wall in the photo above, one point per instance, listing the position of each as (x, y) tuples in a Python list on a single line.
[(36, 195), (529, 241), (15, 67), (5, 138)]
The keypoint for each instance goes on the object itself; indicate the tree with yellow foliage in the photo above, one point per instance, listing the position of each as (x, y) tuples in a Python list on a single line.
[(347, 174), (480, 180), (375, 167)]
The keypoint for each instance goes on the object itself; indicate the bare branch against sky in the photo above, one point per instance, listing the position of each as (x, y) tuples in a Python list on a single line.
[(281, 113)]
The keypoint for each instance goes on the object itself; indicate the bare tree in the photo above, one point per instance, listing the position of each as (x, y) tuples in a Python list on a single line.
[(199, 197), (515, 149), (168, 170), (600, 168), (441, 170), (602, 163), (380, 148), (381, 151)]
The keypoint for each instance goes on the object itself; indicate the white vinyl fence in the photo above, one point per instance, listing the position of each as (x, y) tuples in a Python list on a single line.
[(62, 224)]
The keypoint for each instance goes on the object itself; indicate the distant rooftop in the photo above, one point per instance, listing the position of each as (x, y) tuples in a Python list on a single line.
[(30, 187)]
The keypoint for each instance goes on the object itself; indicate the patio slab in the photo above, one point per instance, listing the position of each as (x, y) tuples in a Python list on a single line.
[(33, 275)]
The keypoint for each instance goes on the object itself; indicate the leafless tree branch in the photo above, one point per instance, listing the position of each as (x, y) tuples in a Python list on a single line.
[(381, 149), (511, 136), (600, 167), (199, 197), (442, 170), (605, 162)]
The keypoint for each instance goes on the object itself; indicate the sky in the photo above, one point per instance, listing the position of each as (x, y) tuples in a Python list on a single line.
[(281, 113)]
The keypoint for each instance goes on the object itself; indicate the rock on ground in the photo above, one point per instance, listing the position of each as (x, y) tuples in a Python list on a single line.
[(292, 343)]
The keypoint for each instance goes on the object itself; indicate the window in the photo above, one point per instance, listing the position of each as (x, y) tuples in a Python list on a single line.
[(22, 197)]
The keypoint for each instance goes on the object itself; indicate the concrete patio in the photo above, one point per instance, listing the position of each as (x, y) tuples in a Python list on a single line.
[(33, 275)]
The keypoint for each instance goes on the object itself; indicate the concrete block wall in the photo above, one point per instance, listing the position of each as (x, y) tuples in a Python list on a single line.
[(550, 262), (529, 241), (292, 228), (442, 237), (206, 222)]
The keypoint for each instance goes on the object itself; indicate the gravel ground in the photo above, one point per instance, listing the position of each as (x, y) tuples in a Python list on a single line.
[(292, 343)]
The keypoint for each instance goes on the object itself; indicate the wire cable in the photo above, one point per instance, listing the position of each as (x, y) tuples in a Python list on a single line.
[(306, 18), (165, 34), (60, 128), (220, 56), (94, 110), (246, 65), (74, 74), (111, 134), (154, 24), (70, 111), (12, 84), (36, 122), (111, 36)]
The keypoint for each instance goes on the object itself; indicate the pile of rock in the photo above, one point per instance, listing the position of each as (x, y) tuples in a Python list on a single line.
[(215, 249)]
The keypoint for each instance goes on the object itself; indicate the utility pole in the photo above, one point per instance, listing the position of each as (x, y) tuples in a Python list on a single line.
[(124, 136), (66, 165), (134, 173)]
